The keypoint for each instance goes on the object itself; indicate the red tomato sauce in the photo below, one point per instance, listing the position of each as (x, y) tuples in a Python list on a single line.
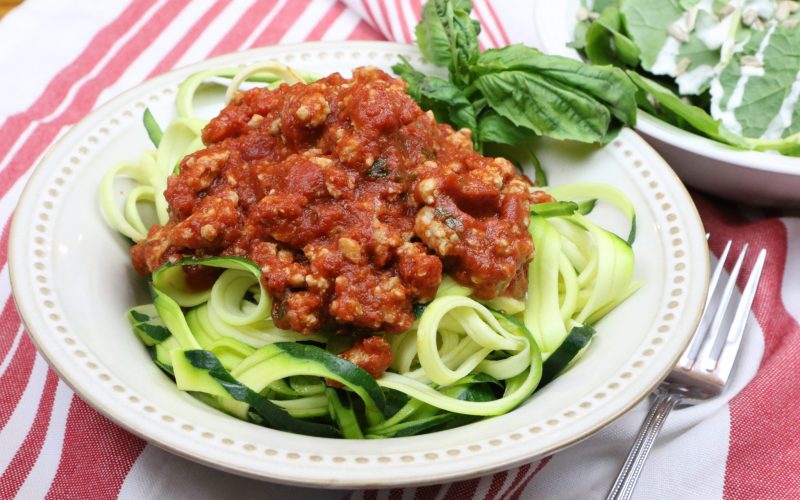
[(352, 201)]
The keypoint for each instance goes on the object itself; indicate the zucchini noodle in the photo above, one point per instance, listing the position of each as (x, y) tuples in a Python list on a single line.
[(463, 359)]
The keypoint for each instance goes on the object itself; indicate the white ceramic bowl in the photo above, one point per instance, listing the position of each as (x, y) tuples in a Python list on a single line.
[(73, 284), (746, 176)]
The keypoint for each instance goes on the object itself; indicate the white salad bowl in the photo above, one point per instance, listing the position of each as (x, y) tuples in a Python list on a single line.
[(753, 177), (73, 284)]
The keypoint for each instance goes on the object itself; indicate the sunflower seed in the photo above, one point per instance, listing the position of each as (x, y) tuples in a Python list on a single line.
[(682, 66), (726, 10), (749, 16), (751, 61), (785, 9), (791, 23), (691, 19), (678, 33)]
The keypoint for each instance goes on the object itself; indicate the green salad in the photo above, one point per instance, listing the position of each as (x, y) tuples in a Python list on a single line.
[(727, 70)]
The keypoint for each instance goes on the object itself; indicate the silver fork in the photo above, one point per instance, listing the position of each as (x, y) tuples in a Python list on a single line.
[(703, 369)]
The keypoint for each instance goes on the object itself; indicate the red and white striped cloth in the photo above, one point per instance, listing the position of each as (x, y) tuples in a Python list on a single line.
[(60, 59)]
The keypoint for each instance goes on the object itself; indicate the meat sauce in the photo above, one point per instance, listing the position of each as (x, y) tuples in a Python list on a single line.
[(352, 201)]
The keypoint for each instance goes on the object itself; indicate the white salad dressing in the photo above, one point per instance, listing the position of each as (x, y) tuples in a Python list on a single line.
[(728, 116), (714, 34), (783, 119), (667, 59), (764, 8), (691, 82), (751, 71)]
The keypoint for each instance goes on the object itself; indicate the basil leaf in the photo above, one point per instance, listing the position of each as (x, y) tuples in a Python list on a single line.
[(431, 37), (602, 84), (548, 108), (446, 35), (510, 95), (449, 103), (495, 128), (463, 37), (454, 224), (449, 220), (378, 168)]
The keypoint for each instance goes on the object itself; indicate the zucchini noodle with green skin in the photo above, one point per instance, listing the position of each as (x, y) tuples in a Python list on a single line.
[(464, 359)]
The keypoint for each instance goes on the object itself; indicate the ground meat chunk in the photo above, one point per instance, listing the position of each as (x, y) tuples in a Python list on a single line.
[(150, 253), (213, 225), (313, 110), (373, 354), (280, 272), (421, 270), (351, 200), (199, 171), (373, 300), (299, 311)]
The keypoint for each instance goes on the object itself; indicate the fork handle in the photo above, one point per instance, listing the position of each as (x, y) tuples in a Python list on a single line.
[(623, 487)]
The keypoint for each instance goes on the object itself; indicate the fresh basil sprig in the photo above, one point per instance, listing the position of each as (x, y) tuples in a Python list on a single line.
[(513, 94), (443, 26), (448, 102)]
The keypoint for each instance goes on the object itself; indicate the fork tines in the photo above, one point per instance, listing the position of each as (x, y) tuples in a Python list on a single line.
[(715, 344)]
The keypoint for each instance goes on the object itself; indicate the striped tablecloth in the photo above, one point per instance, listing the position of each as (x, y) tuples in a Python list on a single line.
[(58, 60)]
